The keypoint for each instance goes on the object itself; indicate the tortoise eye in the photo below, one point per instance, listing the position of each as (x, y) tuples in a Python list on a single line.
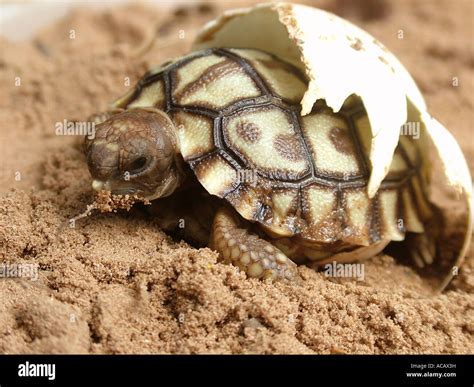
[(137, 165)]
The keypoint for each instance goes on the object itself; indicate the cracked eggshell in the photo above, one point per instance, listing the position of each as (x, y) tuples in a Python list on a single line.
[(339, 59), (456, 175), (439, 148)]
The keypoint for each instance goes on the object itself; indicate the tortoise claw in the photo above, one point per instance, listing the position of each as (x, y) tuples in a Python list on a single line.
[(422, 249)]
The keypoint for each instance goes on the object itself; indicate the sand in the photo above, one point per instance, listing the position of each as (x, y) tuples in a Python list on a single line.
[(115, 283)]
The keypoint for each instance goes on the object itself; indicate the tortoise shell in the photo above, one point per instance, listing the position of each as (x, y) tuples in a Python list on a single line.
[(237, 116)]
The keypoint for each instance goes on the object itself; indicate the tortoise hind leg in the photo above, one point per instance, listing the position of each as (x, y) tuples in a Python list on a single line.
[(421, 248), (252, 254), (431, 250)]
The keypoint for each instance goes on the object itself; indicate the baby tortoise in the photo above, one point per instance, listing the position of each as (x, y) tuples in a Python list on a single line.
[(216, 137)]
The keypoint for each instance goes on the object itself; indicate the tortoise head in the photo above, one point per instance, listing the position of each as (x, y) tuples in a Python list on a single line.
[(135, 152)]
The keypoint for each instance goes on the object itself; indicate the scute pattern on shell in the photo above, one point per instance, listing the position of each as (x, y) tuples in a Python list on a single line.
[(238, 120)]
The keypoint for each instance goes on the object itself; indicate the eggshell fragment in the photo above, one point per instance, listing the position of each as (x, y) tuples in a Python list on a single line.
[(339, 59), (455, 172)]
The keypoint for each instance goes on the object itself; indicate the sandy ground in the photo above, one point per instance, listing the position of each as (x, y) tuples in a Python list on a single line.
[(116, 284)]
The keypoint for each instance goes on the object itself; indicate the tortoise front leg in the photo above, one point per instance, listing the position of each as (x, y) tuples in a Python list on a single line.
[(252, 254), (186, 215)]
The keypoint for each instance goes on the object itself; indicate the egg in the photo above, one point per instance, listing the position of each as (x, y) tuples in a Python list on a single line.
[(341, 61)]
